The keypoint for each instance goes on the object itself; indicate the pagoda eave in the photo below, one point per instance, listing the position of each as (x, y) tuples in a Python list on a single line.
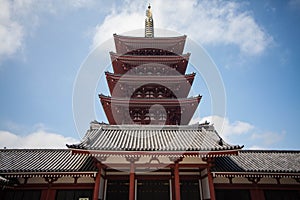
[(122, 111), (150, 101), (127, 85), (149, 58)]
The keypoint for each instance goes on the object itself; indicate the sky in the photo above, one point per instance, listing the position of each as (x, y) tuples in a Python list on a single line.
[(254, 45)]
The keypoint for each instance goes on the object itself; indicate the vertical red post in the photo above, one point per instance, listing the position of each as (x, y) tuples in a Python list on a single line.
[(97, 183), (257, 194), (211, 184), (176, 180), (131, 182)]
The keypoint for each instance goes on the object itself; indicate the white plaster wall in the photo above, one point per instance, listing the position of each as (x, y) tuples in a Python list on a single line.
[(267, 180), (113, 159), (288, 181), (65, 180), (192, 160), (205, 188), (85, 180), (36, 180), (240, 180), (203, 172), (21, 180), (221, 180)]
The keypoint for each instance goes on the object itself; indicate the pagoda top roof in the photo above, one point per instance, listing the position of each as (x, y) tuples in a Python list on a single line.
[(125, 44), (149, 58), (158, 139)]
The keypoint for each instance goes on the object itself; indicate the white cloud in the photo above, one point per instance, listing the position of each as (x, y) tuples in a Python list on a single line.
[(255, 147), (294, 4), (20, 18), (209, 22), (36, 139), (268, 138), (225, 128), (243, 133), (11, 32)]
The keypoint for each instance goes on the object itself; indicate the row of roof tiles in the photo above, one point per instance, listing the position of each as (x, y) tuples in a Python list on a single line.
[(153, 138), (43, 160), (61, 160), (260, 161)]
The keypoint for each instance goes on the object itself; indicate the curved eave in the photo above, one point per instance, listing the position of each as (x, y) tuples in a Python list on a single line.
[(117, 109), (149, 58), (145, 102), (122, 64), (180, 85), (260, 174), (125, 44), (56, 173), (202, 154), (125, 78)]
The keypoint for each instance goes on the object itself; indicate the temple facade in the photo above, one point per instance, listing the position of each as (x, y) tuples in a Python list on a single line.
[(148, 149)]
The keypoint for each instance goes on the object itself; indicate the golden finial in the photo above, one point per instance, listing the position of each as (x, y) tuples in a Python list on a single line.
[(149, 30)]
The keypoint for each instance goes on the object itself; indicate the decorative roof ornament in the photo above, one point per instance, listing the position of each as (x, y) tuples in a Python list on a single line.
[(149, 29)]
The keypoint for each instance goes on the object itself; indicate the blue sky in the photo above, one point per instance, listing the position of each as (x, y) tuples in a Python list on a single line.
[(254, 44)]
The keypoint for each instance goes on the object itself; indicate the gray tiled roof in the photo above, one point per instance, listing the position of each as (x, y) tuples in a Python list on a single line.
[(260, 161), (43, 160), (153, 138)]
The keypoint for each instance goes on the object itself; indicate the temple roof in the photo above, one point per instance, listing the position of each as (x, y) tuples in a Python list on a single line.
[(190, 138), (32, 162), (43, 160), (273, 161), (125, 44)]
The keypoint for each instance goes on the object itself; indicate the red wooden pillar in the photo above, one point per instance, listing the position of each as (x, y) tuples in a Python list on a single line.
[(97, 183), (211, 185), (176, 180), (257, 194), (131, 182)]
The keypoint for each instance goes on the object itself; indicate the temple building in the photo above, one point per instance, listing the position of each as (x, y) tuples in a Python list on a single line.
[(148, 149)]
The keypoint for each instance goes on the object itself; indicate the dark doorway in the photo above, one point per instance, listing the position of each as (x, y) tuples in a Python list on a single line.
[(117, 189), (73, 194), (233, 194), (153, 189), (20, 194), (282, 194), (189, 189)]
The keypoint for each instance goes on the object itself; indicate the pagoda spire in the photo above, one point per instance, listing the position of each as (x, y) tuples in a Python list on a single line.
[(149, 29)]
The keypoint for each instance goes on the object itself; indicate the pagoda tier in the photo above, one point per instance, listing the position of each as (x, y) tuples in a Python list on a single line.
[(157, 65), (149, 111), (149, 86), (125, 44)]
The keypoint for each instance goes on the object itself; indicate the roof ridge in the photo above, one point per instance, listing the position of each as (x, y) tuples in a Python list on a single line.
[(35, 149), (270, 151)]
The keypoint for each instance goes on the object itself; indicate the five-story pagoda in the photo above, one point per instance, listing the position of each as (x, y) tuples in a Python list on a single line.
[(149, 84), (148, 150)]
